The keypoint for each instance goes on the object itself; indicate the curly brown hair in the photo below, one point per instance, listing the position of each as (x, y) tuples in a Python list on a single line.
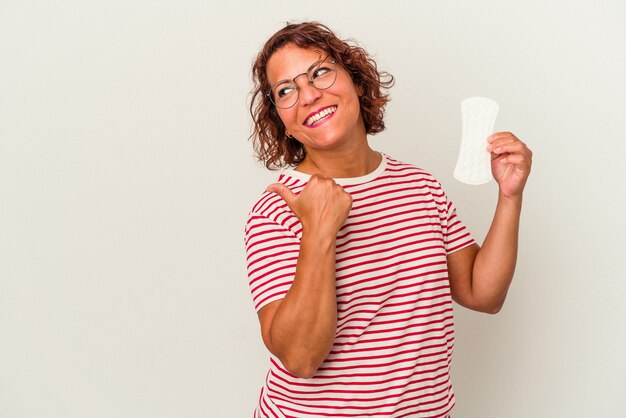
[(272, 146)]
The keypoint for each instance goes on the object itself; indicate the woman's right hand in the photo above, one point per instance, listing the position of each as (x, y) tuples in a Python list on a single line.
[(322, 206), (300, 328)]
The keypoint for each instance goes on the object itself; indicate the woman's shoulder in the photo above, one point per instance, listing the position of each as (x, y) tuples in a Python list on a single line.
[(271, 205), (270, 215), (400, 168)]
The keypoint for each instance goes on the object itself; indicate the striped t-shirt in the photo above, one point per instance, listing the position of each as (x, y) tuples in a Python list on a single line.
[(395, 332)]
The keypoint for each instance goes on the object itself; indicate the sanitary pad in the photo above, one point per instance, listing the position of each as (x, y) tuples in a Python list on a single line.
[(474, 163)]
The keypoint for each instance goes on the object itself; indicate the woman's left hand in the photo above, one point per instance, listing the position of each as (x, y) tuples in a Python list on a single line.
[(511, 161)]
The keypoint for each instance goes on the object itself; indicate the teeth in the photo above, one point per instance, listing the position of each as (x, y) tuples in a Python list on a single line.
[(310, 121)]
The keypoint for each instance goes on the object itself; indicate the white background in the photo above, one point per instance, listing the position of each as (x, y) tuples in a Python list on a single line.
[(126, 175)]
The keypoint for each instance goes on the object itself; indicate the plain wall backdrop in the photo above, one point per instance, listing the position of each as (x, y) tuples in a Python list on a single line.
[(126, 176)]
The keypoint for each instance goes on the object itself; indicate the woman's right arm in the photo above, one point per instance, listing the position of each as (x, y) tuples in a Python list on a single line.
[(300, 328)]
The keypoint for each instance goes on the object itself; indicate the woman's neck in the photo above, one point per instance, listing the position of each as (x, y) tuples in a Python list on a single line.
[(353, 163)]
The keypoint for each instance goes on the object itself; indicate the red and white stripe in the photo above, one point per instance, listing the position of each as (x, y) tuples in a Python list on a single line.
[(395, 333)]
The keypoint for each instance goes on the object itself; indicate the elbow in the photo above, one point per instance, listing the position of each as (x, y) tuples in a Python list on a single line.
[(304, 373), (302, 369), (488, 306), (491, 307), (303, 359), (304, 364)]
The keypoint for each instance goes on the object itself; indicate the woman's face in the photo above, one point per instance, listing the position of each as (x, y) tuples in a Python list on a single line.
[(322, 120)]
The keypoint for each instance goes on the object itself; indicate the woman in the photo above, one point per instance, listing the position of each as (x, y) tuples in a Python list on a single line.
[(354, 258)]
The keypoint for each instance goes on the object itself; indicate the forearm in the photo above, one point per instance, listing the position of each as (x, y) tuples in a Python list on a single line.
[(304, 326), (495, 262), (480, 277)]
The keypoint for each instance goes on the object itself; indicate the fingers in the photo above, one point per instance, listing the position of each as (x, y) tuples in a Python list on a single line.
[(500, 135), (513, 159), (283, 191), (322, 203), (501, 139), (507, 143)]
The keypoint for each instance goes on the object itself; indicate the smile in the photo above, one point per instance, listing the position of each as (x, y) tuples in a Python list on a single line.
[(322, 114)]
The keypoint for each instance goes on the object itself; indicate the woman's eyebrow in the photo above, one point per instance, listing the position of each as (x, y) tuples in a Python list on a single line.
[(298, 75)]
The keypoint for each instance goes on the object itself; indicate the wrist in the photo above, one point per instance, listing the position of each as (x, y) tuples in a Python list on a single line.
[(515, 200), (509, 204), (319, 236)]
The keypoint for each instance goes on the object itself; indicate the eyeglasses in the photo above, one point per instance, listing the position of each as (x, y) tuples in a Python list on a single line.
[(321, 75)]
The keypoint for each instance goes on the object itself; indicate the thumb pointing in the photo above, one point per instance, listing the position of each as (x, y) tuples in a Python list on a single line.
[(283, 191)]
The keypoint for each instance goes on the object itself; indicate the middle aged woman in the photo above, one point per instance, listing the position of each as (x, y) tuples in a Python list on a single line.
[(354, 257)]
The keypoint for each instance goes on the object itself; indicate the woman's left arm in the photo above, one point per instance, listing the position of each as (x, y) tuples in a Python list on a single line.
[(480, 276)]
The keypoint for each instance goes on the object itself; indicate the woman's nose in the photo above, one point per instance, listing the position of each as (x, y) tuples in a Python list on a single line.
[(308, 93)]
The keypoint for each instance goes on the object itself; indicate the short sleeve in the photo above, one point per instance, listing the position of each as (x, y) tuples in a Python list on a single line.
[(271, 256), (456, 236)]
